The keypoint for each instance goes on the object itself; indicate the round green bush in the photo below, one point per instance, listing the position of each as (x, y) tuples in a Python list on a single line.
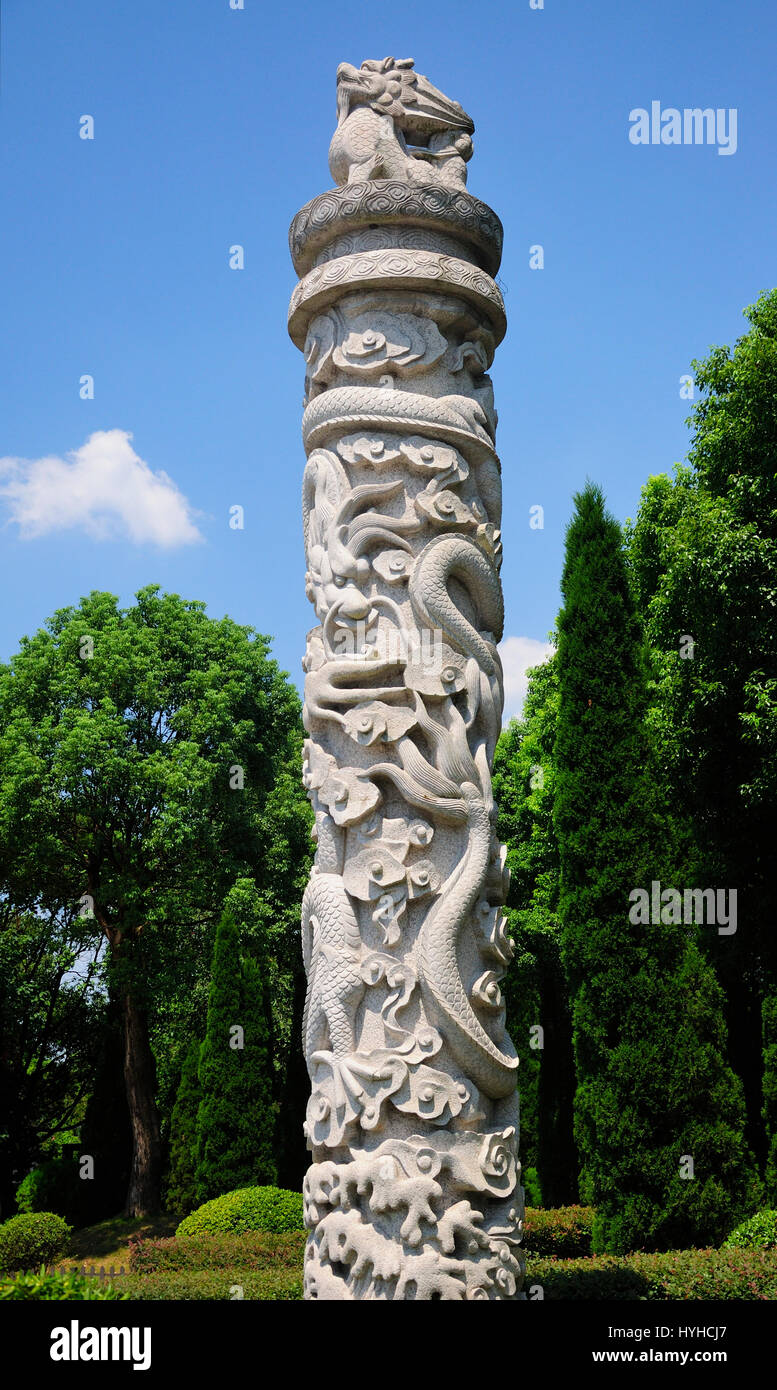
[(52, 1186), (759, 1232), (270, 1209), (32, 1239)]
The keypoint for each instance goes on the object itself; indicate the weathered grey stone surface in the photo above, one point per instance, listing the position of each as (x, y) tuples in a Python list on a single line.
[(413, 1191)]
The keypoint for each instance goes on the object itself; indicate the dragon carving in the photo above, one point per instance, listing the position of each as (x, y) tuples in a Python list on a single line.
[(393, 124), (412, 1120)]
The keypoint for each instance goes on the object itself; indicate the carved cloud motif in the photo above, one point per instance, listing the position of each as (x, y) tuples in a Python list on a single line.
[(347, 796), (367, 344)]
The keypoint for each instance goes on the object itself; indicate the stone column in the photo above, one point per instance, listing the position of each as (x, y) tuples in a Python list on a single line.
[(413, 1190)]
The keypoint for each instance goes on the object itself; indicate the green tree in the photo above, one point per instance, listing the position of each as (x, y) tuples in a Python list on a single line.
[(181, 1187), (137, 749), (180, 1003), (654, 1092), (286, 854), (703, 557), (236, 1115), (52, 1017), (535, 987)]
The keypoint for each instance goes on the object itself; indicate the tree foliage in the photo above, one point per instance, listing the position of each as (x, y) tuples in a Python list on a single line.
[(236, 1114), (181, 1185), (535, 989), (138, 748), (653, 1087), (52, 1019), (703, 558)]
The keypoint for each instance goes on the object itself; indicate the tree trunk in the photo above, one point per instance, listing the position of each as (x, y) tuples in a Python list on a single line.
[(140, 1082)]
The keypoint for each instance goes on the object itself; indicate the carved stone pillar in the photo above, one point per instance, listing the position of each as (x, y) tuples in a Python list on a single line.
[(413, 1190)]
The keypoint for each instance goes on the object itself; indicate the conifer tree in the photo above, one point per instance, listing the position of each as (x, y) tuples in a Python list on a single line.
[(534, 987), (181, 1194), (658, 1112), (236, 1115)]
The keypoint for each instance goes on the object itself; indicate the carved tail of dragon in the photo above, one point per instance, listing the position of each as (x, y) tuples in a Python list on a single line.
[(438, 966)]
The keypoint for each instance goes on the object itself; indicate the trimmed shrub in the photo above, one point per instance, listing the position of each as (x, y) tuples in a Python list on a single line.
[(254, 1250), (561, 1231), (227, 1284), (678, 1274), (57, 1286), (32, 1239), (247, 1209), (759, 1233)]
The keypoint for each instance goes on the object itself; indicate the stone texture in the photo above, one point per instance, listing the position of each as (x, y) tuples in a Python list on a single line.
[(413, 1190)]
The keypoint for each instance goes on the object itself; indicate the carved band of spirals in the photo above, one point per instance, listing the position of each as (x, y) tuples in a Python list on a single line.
[(394, 270), (383, 201), (390, 238)]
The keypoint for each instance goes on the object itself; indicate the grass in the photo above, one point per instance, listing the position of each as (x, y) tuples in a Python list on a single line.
[(107, 1243)]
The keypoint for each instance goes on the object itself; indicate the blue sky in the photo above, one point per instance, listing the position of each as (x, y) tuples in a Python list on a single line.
[(211, 128)]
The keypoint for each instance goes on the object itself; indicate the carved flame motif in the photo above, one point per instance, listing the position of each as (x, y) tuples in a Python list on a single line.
[(414, 1187)]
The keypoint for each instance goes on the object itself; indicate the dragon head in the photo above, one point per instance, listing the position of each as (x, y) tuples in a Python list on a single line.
[(391, 87)]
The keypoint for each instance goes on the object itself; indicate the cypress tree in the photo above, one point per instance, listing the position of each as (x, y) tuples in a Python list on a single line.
[(236, 1116), (181, 1193), (534, 987), (658, 1112)]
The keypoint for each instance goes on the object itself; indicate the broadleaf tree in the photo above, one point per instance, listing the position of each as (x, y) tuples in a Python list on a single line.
[(137, 750), (703, 559)]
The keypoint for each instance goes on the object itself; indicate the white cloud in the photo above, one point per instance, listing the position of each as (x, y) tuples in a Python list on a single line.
[(104, 489), (518, 654)]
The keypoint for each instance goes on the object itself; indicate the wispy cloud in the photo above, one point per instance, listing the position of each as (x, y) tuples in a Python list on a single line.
[(104, 489), (518, 655)]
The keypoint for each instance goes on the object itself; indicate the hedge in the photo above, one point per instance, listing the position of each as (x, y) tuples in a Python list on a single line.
[(32, 1239), (252, 1250), (681, 1275), (69, 1286), (759, 1233), (225, 1284), (247, 1209), (678, 1274), (563, 1231)]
